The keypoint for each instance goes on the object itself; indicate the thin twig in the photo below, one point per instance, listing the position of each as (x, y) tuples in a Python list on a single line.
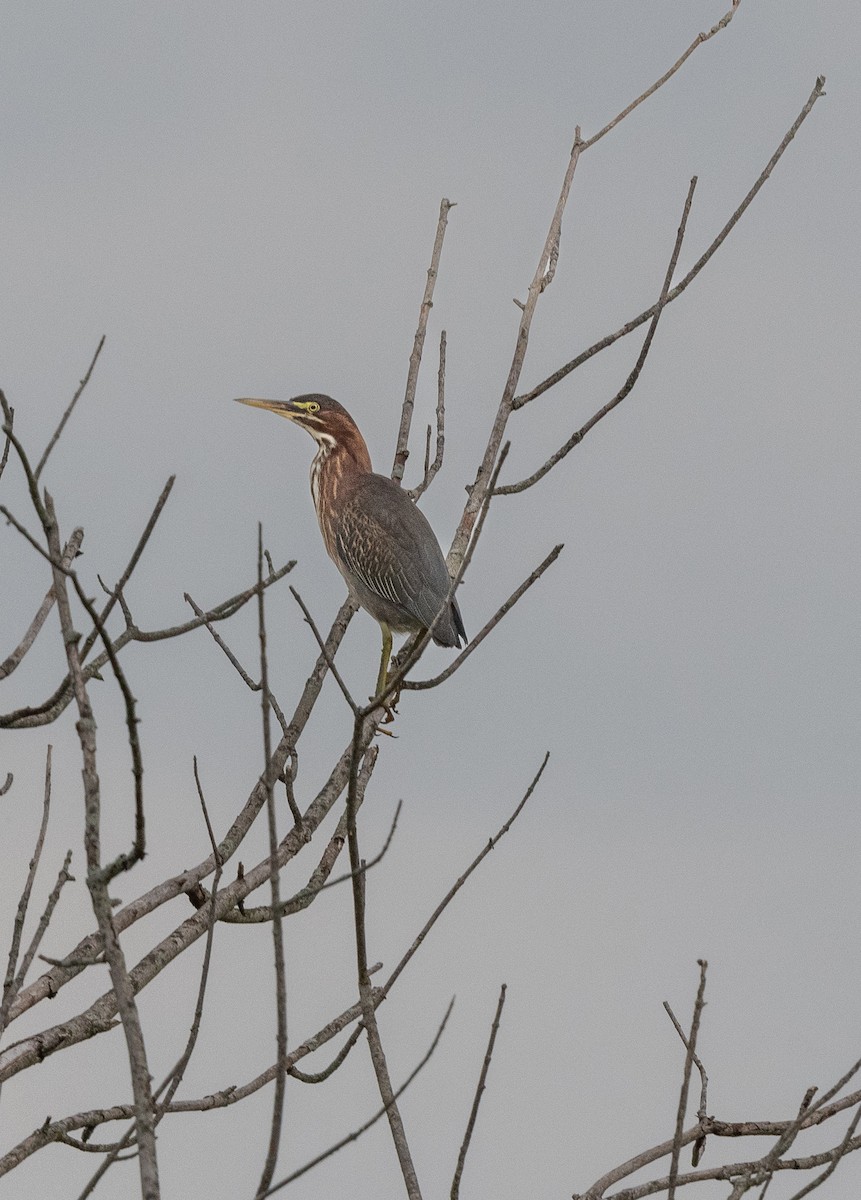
[(288, 778), (635, 322), (415, 646), (172, 1080), (9, 419), (9, 988), (700, 1144), (479, 1091), (70, 552), (576, 438), (485, 474), (275, 887), (698, 41), (402, 448), (320, 881), (234, 661), (839, 1153), (357, 1133), (68, 412), (330, 662), (97, 875), (461, 880), (315, 1077), (418, 685), (432, 468), (219, 641), (63, 878), (686, 1081), (363, 730), (50, 709), (137, 553)]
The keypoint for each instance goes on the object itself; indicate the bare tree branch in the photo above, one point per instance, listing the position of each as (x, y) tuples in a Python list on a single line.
[(330, 662), (479, 1091), (418, 685), (627, 387), (44, 921), (49, 984), (402, 448), (49, 710), (629, 326), (275, 888), (97, 879), (56, 436), (70, 552), (351, 774), (458, 884), (431, 468), (363, 731), (9, 420), (357, 1133), (50, 1131), (698, 41), (699, 1146), (173, 1079), (100, 1015), (849, 1142), (479, 488), (319, 880), (690, 1050), (9, 988), (234, 661)]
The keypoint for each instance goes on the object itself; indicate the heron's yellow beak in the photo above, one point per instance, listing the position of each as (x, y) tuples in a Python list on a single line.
[(282, 407)]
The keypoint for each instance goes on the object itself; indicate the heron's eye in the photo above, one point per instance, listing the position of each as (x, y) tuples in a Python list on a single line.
[(312, 406)]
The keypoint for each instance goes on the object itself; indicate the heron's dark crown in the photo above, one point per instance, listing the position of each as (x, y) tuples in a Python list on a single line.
[(326, 420), (329, 424)]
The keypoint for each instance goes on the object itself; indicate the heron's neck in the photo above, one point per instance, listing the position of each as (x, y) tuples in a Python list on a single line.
[(336, 461)]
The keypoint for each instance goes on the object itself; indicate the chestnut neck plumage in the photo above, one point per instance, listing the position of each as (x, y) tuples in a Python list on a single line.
[(341, 454)]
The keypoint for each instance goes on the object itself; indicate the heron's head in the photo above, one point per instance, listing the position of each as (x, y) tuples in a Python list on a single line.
[(326, 420)]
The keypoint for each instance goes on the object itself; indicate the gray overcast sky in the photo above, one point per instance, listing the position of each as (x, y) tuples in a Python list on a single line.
[(243, 198)]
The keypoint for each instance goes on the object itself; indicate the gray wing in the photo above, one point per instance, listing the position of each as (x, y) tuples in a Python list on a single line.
[(389, 546)]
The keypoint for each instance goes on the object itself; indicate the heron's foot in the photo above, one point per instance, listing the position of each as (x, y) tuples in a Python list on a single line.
[(389, 710)]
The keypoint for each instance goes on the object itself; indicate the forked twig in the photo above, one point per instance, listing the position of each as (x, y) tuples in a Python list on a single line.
[(628, 385), (700, 1143), (432, 468), (9, 988), (172, 1080), (635, 322), (690, 1050), (402, 448), (70, 551), (381, 1112)]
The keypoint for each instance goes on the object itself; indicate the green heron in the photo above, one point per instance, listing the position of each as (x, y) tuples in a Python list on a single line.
[(377, 538)]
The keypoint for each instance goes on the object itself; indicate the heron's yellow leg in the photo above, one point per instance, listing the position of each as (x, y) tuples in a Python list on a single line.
[(385, 658)]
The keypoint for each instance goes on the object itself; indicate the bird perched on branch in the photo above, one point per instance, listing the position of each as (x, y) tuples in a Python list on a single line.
[(377, 538)]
